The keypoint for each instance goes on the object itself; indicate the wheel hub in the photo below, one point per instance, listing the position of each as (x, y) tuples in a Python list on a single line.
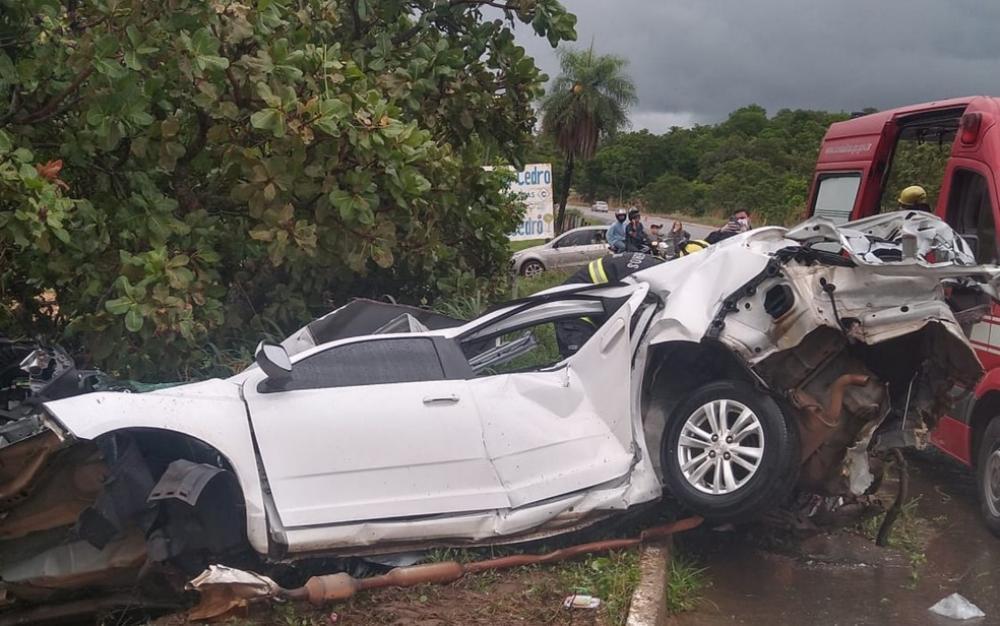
[(721, 446)]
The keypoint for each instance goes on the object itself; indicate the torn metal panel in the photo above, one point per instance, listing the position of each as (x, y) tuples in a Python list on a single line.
[(224, 589), (78, 564), (212, 412), (122, 501)]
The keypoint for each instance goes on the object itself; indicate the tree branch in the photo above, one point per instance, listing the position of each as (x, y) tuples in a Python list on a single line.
[(52, 106)]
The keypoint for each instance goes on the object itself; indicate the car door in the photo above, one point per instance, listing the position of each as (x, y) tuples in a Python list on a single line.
[(596, 247), (372, 428), (552, 429), (570, 250)]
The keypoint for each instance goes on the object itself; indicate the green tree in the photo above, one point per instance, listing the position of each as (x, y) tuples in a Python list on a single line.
[(588, 101), (178, 177)]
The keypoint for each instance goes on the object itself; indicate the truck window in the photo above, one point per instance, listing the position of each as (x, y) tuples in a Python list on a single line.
[(919, 158), (835, 196), (970, 212)]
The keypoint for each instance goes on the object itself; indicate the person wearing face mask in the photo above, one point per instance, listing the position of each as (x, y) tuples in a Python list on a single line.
[(739, 222), (616, 232)]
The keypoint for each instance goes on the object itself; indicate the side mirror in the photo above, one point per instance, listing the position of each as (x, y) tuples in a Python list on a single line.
[(272, 358)]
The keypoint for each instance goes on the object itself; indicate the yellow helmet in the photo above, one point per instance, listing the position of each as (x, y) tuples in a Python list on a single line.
[(912, 195), (692, 246)]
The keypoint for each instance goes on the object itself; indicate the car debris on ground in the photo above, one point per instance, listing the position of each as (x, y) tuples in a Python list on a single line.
[(777, 361), (957, 607)]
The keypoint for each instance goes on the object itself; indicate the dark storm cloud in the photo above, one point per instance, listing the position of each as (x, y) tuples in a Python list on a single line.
[(697, 60)]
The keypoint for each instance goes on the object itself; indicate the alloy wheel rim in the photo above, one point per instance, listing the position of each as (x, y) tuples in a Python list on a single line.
[(532, 270), (721, 447), (991, 484)]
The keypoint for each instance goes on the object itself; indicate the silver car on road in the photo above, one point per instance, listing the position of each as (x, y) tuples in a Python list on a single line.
[(574, 247)]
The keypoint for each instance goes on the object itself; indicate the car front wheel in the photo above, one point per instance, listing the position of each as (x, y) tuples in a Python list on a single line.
[(729, 453), (531, 269), (988, 475)]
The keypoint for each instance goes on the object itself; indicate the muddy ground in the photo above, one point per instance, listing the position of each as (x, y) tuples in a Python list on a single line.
[(843, 579)]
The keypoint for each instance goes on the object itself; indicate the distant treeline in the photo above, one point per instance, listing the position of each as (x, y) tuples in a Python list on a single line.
[(750, 161)]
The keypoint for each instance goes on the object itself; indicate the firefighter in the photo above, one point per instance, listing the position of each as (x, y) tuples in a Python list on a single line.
[(571, 334), (913, 198)]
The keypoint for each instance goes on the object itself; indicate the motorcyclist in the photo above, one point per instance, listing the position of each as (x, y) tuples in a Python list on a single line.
[(615, 234), (636, 239), (571, 334)]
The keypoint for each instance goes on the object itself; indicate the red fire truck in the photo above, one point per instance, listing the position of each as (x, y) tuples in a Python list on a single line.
[(863, 164)]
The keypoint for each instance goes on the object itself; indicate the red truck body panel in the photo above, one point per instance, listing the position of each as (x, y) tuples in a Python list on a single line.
[(857, 153)]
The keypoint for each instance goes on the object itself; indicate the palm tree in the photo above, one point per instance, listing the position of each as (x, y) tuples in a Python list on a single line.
[(588, 101)]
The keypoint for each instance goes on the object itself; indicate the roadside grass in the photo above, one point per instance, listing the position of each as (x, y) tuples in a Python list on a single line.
[(517, 246), (526, 286), (909, 535), (612, 577), (685, 585)]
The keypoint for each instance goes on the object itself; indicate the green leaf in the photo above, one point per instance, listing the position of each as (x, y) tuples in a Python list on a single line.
[(265, 93), (118, 306), (23, 155), (269, 119), (5, 143), (133, 320), (208, 61)]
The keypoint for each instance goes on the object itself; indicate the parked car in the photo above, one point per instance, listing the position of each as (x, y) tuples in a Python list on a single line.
[(775, 360), (600, 206), (852, 180), (574, 247)]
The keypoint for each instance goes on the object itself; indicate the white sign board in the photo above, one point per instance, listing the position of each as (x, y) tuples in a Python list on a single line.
[(534, 185)]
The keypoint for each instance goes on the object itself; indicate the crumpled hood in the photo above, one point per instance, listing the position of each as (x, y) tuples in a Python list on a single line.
[(879, 261)]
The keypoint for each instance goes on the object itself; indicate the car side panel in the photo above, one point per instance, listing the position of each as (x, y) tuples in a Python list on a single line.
[(211, 411)]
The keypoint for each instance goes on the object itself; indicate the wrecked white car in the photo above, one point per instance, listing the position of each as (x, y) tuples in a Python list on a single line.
[(775, 360)]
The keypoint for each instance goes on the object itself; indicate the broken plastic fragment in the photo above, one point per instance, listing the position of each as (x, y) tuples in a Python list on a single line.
[(956, 606), (579, 601)]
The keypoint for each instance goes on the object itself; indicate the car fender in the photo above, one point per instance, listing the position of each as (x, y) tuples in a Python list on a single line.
[(212, 411), (530, 257)]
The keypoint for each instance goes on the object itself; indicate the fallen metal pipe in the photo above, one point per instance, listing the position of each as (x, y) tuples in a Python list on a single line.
[(321, 589)]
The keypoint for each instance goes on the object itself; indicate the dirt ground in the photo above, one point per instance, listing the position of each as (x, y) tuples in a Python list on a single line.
[(525, 596), (844, 579)]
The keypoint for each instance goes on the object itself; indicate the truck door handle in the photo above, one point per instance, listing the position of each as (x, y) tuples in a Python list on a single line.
[(448, 399)]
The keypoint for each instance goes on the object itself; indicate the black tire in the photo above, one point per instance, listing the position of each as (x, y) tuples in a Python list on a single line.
[(777, 470), (989, 486), (536, 268)]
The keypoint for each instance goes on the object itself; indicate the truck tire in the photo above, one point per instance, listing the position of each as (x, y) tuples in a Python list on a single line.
[(735, 468), (988, 475)]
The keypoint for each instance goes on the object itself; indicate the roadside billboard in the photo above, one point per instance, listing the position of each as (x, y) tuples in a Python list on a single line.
[(534, 185)]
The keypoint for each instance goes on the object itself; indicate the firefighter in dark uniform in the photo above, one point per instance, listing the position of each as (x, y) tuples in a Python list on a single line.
[(571, 334)]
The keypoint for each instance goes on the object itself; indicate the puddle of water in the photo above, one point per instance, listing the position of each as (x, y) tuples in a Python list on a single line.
[(852, 582)]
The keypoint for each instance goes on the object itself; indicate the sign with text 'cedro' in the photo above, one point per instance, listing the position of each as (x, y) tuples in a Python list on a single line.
[(534, 186)]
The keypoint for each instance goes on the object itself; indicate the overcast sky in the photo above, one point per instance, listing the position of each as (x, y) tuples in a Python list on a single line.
[(696, 60)]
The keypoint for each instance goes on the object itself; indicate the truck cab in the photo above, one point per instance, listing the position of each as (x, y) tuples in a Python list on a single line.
[(952, 149)]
